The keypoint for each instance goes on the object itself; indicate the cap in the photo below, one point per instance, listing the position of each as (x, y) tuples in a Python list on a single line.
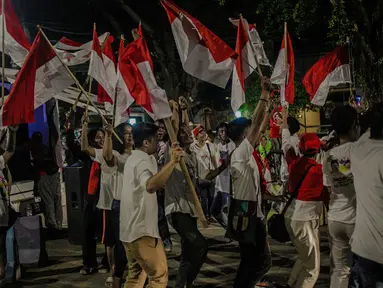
[(198, 130), (309, 143)]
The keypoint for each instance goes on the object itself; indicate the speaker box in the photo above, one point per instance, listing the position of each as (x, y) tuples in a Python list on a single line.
[(76, 186)]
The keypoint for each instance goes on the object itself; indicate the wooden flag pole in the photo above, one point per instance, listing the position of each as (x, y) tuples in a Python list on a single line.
[(252, 48), (189, 182), (3, 54), (79, 85)]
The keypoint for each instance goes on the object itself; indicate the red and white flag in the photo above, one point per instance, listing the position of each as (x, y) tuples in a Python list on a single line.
[(331, 70), (74, 53), (284, 71), (255, 40), (15, 40), (137, 81), (98, 69), (202, 53), (110, 66), (41, 78), (244, 66)]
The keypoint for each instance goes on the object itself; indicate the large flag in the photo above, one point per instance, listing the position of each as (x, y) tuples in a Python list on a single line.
[(331, 70), (41, 78), (284, 70), (110, 66), (202, 53), (15, 40), (74, 53), (255, 40), (139, 83), (244, 66), (97, 67)]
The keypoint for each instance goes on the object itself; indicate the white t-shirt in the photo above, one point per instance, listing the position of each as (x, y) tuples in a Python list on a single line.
[(204, 158), (222, 183), (245, 175), (366, 157), (288, 141), (3, 196), (118, 173), (139, 209), (337, 175), (106, 183)]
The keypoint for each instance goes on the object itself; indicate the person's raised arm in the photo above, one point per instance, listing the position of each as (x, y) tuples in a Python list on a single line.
[(159, 180), (84, 138), (107, 150), (11, 145), (254, 134), (184, 110), (175, 117)]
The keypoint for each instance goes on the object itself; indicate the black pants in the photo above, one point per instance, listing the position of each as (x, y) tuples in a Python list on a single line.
[(163, 226), (90, 218), (206, 192), (193, 248), (120, 260), (255, 259)]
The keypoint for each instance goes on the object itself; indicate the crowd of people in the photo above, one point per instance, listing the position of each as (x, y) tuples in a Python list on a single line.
[(140, 188)]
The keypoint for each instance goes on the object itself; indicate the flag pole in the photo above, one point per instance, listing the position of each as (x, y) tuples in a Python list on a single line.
[(79, 85), (115, 93), (189, 182), (252, 48), (3, 53), (286, 52)]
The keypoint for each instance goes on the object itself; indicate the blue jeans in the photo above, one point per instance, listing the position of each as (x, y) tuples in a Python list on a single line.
[(220, 208), (366, 274)]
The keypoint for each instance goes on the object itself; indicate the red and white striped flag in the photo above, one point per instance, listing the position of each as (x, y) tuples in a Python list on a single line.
[(284, 71), (74, 53), (97, 67), (244, 66), (41, 78), (202, 53), (15, 40), (255, 40), (137, 82), (331, 70), (110, 66)]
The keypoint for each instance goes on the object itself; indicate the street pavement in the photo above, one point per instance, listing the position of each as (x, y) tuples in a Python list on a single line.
[(219, 269)]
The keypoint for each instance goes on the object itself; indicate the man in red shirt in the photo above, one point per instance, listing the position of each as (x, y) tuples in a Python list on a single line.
[(302, 215)]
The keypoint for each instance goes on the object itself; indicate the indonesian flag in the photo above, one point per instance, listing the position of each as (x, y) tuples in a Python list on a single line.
[(98, 67), (74, 53), (137, 82), (110, 66), (123, 97), (255, 40), (41, 78), (331, 70), (15, 40), (283, 74), (244, 66), (202, 53)]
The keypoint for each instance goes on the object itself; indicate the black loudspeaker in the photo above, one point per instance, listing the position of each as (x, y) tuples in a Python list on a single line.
[(76, 186)]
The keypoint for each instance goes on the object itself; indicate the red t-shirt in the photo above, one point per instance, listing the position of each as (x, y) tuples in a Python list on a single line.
[(94, 178)]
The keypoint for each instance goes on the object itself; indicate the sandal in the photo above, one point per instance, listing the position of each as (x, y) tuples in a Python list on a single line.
[(109, 282), (88, 270)]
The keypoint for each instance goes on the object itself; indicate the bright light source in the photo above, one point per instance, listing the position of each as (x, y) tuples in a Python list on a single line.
[(238, 114), (132, 121)]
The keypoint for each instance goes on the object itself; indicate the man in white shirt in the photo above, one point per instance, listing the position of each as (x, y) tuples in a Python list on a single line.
[(139, 210), (366, 156), (205, 154), (224, 148), (342, 209)]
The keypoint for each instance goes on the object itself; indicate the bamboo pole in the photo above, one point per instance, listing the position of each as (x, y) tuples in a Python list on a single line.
[(79, 85), (3, 54), (252, 48), (189, 182)]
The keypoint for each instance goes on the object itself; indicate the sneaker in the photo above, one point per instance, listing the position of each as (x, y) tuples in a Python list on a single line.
[(88, 270), (168, 245)]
